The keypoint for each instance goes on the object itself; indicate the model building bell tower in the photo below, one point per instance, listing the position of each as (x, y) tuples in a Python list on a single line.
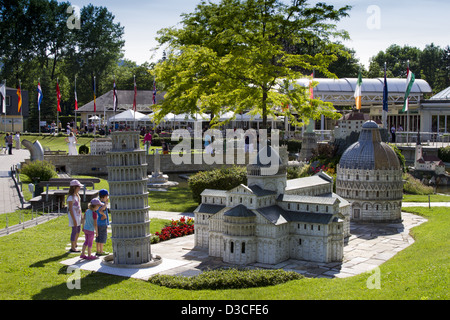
[(127, 177)]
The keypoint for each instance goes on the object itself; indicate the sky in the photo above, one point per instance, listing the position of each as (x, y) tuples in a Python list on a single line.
[(373, 25)]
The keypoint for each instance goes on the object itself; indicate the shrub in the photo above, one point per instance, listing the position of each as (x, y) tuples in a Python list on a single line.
[(227, 279), (42, 170), (221, 179), (84, 149), (400, 156), (414, 186), (444, 154)]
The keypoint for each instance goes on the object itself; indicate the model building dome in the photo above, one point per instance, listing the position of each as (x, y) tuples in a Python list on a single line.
[(370, 152)]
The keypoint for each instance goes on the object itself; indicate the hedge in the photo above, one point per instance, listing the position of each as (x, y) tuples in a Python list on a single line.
[(227, 279), (444, 154), (219, 179)]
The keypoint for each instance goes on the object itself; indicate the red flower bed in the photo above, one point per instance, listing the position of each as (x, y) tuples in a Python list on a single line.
[(177, 228)]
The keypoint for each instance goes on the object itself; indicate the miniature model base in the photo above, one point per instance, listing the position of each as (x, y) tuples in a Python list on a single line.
[(109, 261)]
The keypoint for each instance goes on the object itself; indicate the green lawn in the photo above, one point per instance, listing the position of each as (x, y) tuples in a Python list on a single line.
[(424, 198), (30, 269)]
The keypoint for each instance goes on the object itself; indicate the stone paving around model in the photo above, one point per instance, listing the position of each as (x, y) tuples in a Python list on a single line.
[(369, 245)]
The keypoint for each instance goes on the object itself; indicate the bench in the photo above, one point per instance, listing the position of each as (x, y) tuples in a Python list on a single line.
[(57, 197)]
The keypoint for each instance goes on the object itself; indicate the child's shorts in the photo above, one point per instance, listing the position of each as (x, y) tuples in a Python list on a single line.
[(102, 234)]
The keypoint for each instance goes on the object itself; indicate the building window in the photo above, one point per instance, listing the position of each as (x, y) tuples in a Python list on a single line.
[(312, 227), (243, 247), (326, 208), (304, 227), (299, 242), (318, 227), (232, 247)]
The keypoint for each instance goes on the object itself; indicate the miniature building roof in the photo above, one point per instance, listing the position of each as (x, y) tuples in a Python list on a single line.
[(369, 153), (308, 199), (306, 182), (277, 216), (240, 211), (274, 214), (214, 193), (209, 208), (258, 191)]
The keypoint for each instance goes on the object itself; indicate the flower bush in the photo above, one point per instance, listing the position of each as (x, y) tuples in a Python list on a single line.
[(177, 228)]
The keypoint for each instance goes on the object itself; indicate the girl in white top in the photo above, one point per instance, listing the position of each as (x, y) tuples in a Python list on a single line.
[(74, 213)]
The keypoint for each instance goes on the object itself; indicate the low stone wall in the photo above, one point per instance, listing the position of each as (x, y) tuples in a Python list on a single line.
[(96, 164)]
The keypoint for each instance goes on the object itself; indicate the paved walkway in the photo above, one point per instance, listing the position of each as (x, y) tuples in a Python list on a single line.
[(9, 198), (368, 247)]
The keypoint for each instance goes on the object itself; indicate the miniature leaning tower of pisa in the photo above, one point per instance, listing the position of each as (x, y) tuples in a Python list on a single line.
[(127, 177)]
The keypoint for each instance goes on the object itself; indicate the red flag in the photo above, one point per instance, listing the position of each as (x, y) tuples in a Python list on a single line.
[(58, 96), (135, 93)]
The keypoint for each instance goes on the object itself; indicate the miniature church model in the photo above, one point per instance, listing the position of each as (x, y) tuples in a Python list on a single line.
[(273, 219), (127, 177)]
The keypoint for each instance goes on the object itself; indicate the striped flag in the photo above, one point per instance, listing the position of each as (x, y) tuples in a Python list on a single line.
[(19, 104), (95, 96), (58, 96), (135, 94), (409, 83), (358, 96), (40, 96), (76, 98)]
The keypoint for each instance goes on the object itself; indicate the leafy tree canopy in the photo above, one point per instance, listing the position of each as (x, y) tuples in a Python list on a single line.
[(239, 55)]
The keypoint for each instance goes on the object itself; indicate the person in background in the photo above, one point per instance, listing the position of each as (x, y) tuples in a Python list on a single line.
[(17, 139)]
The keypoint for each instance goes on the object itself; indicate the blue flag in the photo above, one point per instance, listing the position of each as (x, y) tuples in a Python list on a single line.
[(40, 96)]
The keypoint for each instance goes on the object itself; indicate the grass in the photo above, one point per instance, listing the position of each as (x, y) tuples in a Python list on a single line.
[(424, 198), (30, 269)]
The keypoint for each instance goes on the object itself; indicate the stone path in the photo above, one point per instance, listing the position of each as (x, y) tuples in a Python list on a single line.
[(368, 247)]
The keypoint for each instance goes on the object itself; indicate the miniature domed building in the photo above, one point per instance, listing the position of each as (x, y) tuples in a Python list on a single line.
[(369, 176)]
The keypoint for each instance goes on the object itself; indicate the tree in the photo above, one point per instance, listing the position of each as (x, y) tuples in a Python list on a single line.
[(96, 51), (233, 56)]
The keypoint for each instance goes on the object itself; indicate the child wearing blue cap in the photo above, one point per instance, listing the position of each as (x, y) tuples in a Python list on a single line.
[(102, 223)]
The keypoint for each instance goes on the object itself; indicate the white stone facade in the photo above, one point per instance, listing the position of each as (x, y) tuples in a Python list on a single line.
[(127, 177), (273, 220)]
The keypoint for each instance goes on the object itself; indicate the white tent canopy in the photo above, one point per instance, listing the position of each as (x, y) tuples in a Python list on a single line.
[(128, 115)]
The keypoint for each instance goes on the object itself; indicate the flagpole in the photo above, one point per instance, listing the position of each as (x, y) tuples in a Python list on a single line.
[(57, 111), (39, 108), (76, 122)]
